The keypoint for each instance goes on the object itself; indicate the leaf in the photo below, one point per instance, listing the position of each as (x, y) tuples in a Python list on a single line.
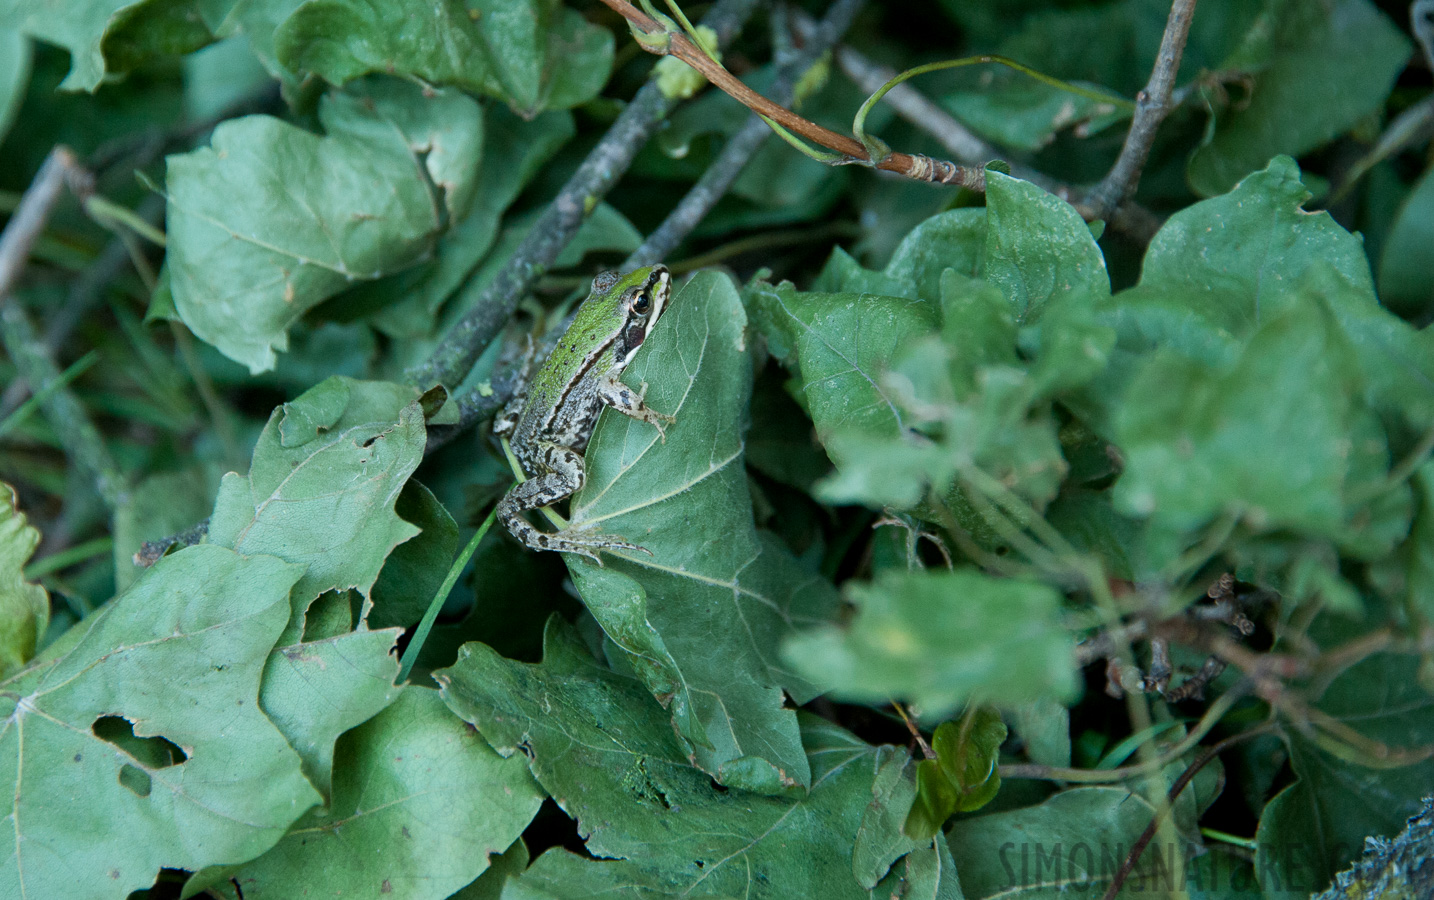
[(416, 568), (179, 656), (24, 607), (317, 690), (607, 754), (1072, 842), (1037, 247), (14, 75), (941, 638), (535, 54), (420, 803), (1316, 826), (839, 345), (1201, 297), (962, 777), (1320, 68), (322, 487), (701, 619), (1188, 432), (158, 507), (514, 151), (271, 220), (881, 840), (1407, 259), (1019, 112), (953, 239), (107, 37)]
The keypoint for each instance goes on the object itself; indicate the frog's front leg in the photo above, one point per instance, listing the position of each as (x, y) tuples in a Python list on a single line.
[(564, 478), (629, 402)]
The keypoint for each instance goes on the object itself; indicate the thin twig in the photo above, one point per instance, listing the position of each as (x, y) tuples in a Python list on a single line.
[(598, 174), (1130, 218), (1128, 865), (718, 179), (31, 356), (1151, 106), (914, 166)]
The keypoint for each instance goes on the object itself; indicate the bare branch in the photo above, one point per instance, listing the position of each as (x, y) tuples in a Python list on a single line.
[(598, 174), (1151, 106)]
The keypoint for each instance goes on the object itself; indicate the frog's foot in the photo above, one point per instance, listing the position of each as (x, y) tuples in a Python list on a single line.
[(588, 543)]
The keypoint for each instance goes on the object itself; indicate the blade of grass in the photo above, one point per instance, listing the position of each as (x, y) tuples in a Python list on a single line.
[(420, 634)]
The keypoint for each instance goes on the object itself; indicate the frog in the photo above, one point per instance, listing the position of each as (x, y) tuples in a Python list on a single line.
[(553, 413)]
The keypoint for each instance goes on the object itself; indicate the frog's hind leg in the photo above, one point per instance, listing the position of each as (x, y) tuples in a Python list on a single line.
[(564, 478)]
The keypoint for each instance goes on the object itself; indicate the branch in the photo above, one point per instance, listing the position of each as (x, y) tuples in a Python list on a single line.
[(917, 167), (461, 346), (1151, 106), (32, 357), (741, 147)]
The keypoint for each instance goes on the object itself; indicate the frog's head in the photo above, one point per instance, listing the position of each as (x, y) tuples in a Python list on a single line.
[(633, 302)]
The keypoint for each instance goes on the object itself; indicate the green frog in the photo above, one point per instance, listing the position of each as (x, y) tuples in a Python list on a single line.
[(552, 414)]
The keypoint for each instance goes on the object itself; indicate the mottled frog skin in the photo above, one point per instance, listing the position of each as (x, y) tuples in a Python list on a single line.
[(552, 414)]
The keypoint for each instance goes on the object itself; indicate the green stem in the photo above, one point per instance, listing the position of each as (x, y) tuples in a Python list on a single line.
[(425, 625), (858, 125)]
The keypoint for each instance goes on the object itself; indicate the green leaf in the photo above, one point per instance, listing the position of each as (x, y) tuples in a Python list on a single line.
[(179, 656), (701, 619), (1016, 111), (158, 507), (1320, 68), (1037, 247), (514, 150), (322, 487), (24, 607), (1420, 549), (14, 75), (271, 220), (1187, 431), (420, 802), (1044, 726), (1202, 297), (415, 568), (838, 346), (1323, 818), (107, 37), (962, 777), (950, 240), (940, 639), (607, 754), (535, 54), (1054, 849), (1408, 254), (316, 690)]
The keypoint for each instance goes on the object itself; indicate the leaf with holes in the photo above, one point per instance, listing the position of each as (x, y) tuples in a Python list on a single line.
[(141, 743), (701, 618), (323, 484)]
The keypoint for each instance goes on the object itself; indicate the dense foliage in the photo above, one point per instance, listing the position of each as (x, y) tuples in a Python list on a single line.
[(993, 536)]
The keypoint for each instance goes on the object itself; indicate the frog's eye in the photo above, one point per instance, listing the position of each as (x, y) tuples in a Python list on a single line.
[(642, 304)]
